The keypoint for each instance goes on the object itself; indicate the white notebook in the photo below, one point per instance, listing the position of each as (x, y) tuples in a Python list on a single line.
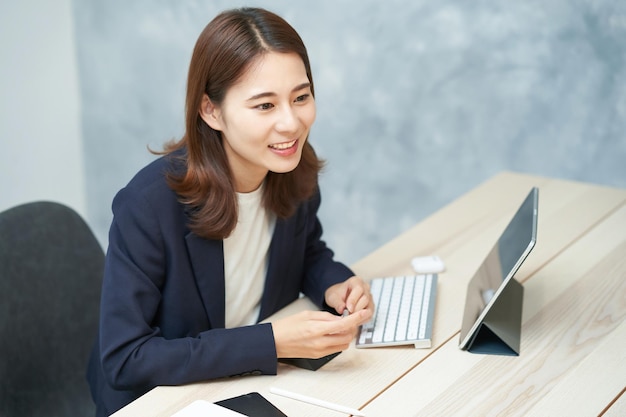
[(202, 408)]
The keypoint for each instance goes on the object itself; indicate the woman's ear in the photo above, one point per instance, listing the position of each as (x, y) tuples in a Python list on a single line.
[(210, 113)]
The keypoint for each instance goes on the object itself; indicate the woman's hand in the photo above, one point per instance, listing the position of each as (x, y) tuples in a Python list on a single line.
[(314, 334), (352, 294)]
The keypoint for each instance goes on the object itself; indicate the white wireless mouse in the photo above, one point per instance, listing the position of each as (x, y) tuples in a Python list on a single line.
[(428, 264)]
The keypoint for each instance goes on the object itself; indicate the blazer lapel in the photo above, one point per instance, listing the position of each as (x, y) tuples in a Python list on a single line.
[(207, 261), (275, 270)]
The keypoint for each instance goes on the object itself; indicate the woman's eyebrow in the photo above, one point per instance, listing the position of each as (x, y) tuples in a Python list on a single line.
[(301, 87), (272, 94)]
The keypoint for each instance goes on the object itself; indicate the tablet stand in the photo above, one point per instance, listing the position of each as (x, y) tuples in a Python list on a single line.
[(500, 331)]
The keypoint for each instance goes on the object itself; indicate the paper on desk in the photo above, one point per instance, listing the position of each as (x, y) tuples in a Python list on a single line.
[(202, 408)]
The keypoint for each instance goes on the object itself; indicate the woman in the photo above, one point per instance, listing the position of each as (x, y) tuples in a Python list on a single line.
[(222, 230)]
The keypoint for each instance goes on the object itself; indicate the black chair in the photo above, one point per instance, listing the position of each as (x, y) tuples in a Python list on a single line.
[(50, 277)]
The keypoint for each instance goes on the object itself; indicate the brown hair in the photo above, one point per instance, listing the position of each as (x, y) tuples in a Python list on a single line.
[(223, 52)]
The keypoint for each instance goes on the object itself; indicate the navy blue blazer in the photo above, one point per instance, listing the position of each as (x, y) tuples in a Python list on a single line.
[(162, 306)]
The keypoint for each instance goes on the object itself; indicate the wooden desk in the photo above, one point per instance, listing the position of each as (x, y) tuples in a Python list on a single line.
[(572, 361)]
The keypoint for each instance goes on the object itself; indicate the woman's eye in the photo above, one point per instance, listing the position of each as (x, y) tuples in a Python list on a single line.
[(265, 106), (303, 97)]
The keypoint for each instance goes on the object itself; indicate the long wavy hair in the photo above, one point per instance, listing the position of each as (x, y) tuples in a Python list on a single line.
[(223, 52)]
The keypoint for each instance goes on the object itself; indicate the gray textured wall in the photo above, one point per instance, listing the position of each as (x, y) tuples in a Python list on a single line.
[(39, 105), (418, 101)]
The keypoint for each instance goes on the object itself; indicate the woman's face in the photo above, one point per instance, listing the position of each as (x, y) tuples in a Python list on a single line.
[(265, 118)]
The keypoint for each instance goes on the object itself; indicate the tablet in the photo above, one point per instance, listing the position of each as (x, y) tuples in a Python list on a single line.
[(494, 280), (252, 404)]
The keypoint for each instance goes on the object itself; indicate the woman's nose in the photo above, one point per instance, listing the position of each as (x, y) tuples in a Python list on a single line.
[(287, 120)]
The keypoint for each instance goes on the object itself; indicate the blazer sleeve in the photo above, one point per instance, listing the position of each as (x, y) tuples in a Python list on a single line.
[(134, 351), (320, 269)]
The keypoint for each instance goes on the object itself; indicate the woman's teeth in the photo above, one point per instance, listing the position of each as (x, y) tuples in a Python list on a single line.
[(285, 145)]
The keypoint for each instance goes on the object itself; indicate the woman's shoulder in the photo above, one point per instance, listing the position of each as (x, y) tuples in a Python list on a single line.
[(150, 183), (153, 176)]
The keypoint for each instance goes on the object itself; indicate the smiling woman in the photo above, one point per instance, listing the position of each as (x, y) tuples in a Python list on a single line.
[(222, 230), (264, 132), (234, 67)]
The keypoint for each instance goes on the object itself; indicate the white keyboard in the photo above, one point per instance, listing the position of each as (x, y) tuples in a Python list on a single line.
[(404, 312)]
